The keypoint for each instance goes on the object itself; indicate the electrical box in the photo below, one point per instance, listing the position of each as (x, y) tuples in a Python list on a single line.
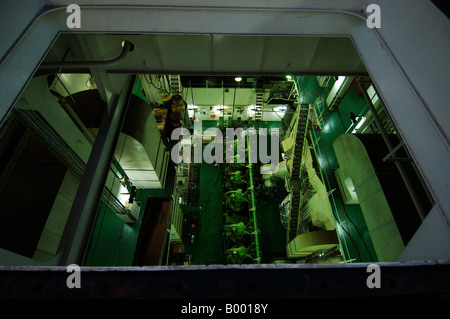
[(131, 214)]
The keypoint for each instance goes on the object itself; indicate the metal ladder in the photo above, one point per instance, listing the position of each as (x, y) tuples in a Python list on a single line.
[(258, 107), (302, 127), (300, 140), (175, 84), (176, 89), (293, 221)]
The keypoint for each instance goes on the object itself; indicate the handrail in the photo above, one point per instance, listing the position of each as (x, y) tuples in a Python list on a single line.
[(253, 208)]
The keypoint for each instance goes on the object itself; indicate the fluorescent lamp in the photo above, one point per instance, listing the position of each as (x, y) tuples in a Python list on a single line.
[(361, 122), (339, 81), (238, 79)]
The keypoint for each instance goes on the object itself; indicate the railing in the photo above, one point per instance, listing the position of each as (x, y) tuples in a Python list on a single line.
[(253, 206)]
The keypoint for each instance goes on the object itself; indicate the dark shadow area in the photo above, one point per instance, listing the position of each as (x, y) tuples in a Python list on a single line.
[(401, 204), (30, 180), (151, 235)]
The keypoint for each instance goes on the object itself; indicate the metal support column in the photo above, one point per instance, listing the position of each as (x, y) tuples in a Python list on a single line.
[(392, 151), (84, 209)]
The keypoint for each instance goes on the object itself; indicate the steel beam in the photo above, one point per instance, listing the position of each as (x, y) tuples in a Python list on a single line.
[(244, 282), (84, 209)]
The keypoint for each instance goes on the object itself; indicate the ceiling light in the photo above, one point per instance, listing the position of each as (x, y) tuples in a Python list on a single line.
[(238, 79), (339, 81), (361, 122)]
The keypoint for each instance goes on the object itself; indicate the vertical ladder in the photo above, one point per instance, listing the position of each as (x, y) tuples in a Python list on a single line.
[(176, 89), (175, 84), (258, 107)]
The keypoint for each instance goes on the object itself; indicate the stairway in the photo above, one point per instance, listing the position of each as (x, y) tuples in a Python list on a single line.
[(258, 107), (300, 140), (293, 221), (388, 126)]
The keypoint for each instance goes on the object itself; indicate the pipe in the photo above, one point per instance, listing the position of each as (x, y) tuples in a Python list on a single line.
[(228, 73), (58, 66), (391, 148), (253, 208), (234, 99)]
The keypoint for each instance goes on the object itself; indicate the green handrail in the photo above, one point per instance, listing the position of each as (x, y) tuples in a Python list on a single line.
[(253, 208)]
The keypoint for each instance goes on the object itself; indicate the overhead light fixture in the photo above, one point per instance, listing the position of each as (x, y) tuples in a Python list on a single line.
[(339, 81), (289, 77), (238, 79), (362, 119), (282, 108)]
